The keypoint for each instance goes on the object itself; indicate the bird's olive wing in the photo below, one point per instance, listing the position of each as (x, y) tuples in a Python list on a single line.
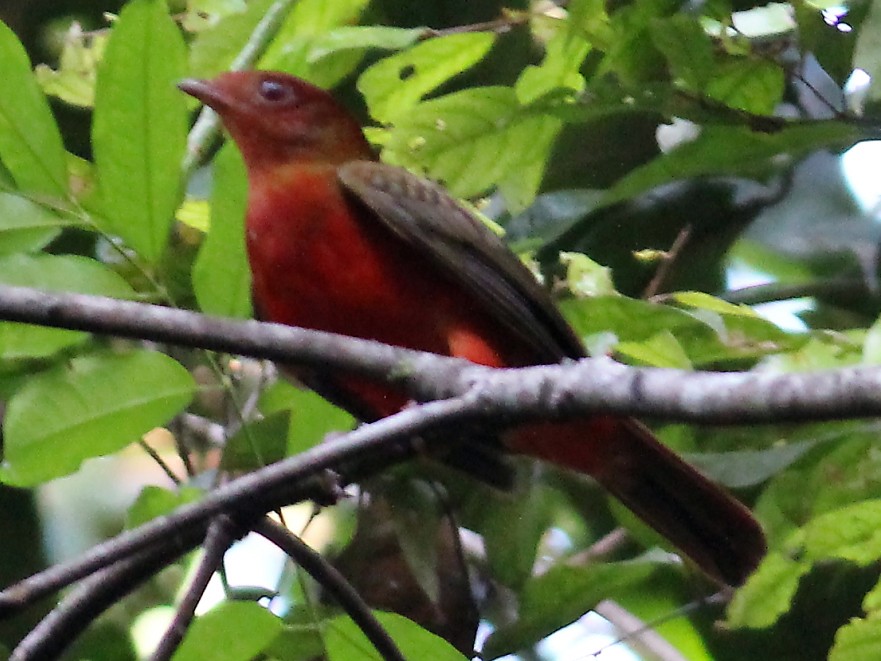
[(424, 215)]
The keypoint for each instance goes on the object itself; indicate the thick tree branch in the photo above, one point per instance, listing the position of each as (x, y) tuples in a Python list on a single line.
[(590, 385)]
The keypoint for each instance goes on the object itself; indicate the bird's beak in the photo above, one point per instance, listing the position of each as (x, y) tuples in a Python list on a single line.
[(204, 90)]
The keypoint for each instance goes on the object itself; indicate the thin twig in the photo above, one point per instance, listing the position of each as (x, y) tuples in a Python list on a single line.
[(159, 461), (836, 288), (335, 583), (364, 451), (637, 633), (49, 638), (667, 261), (221, 533)]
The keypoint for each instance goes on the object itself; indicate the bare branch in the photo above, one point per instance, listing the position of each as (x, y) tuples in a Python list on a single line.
[(105, 587), (364, 451), (221, 533), (335, 583)]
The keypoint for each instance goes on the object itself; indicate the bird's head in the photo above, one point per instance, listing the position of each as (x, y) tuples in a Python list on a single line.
[(276, 118)]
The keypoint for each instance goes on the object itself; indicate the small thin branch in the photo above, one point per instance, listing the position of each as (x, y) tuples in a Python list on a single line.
[(667, 261), (634, 628), (159, 461), (637, 633), (354, 455), (221, 533), (335, 583), (506, 23), (836, 288), (603, 547), (93, 596)]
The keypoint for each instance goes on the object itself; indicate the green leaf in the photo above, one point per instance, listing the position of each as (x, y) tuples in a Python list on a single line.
[(74, 81), (584, 277), (704, 301), (474, 139), (140, 126), (751, 85), (394, 86), (26, 226), (64, 273), (344, 641), (311, 416), (850, 533), (660, 350), (92, 406), (305, 27), (858, 640), (363, 37), (258, 443), (702, 339), (30, 144), (221, 278), (767, 593), (743, 469), (721, 150), (687, 47), (559, 597), (155, 501), (232, 631), (564, 54), (213, 50)]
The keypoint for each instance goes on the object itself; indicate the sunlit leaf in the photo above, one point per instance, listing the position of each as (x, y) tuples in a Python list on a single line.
[(346, 642), (231, 631), (221, 279), (394, 85), (139, 127), (93, 405), (30, 144)]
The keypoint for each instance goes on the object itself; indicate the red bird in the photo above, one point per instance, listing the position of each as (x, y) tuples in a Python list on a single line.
[(341, 243)]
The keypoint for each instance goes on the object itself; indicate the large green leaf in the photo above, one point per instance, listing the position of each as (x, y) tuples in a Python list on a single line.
[(297, 47), (221, 279), (233, 631), (559, 597), (346, 642), (475, 139), (92, 406), (140, 124), (739, 151), (30, 144), (394, 85)]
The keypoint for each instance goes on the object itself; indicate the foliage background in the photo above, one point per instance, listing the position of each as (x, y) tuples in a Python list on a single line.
[(559, 123)]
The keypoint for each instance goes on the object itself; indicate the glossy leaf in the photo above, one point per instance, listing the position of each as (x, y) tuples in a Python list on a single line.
[(93, 405), (139, 127), (231, 631), (346, 642), (221, 278), (30, 144), (559, 597), (395, 85)]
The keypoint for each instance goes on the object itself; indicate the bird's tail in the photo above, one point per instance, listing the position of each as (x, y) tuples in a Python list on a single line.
[(698, 517)]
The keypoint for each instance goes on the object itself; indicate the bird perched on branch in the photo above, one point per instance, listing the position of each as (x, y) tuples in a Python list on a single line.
[(341, 243)]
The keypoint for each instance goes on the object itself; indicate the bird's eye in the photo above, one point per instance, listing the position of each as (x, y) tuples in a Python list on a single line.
[(274, 91)]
